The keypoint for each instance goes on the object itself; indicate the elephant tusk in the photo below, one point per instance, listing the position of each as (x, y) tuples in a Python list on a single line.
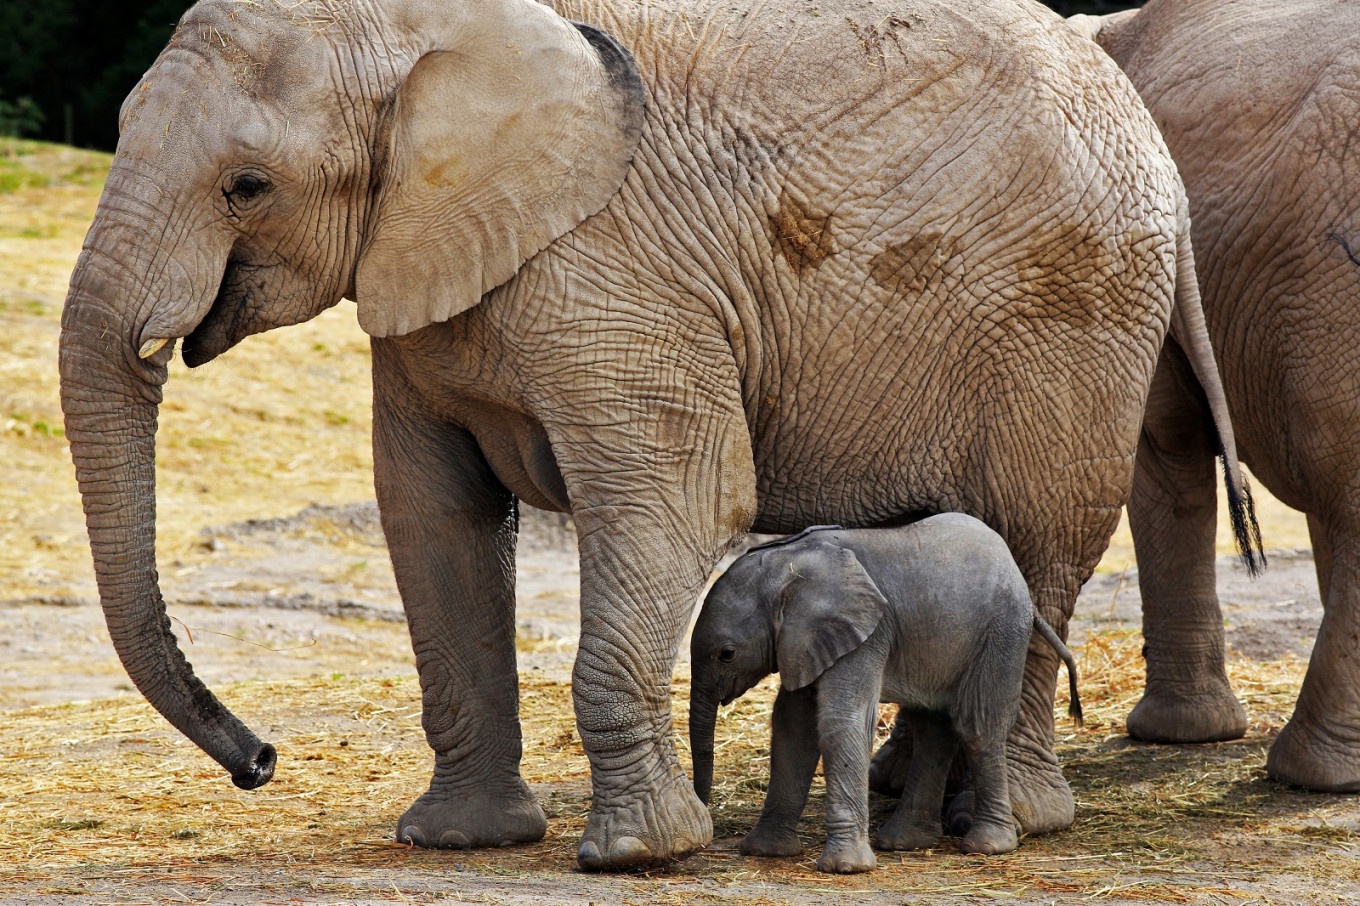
[(151, 347)]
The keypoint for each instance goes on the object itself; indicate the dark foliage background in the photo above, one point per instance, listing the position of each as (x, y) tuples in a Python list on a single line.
[(66, 65)]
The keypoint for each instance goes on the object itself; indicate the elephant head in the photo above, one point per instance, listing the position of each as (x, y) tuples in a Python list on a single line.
[(277, 157), (795, 607)]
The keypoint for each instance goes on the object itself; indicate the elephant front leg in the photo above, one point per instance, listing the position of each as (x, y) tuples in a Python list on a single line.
[(793, 760), (450, 529), (638, 588), (1319, 749), (1173, 515), (658, 491), (847, 712)]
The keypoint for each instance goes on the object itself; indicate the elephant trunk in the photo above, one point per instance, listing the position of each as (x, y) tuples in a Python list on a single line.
[(703, 717), (110, 396)]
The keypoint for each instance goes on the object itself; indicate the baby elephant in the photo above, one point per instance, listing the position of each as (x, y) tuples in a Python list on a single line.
[(934, 616)]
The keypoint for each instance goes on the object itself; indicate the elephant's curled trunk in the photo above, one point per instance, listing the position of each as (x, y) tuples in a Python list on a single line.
[(111, 399)]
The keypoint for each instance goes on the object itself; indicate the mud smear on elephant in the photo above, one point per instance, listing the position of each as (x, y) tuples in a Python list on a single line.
[(801, 236), (908, 268)]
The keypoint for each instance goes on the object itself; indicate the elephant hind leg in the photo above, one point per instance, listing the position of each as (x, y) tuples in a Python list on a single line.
[(1041, 799), (1173, 515), (1319, 749), (915, 824), (892, 762)]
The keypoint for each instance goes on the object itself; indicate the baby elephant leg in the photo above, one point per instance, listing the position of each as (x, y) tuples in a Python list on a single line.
[(993, 829), (915, 823), (846, 727), (793, 761)]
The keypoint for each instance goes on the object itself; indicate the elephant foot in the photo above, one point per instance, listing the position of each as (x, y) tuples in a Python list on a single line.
[(441, 820), (958, 814), (902, 833), (990, 839), (1209, 714), (1041, 800), (646, 829), (1306, 755), (848, 857), (764, 840), (890, 764)]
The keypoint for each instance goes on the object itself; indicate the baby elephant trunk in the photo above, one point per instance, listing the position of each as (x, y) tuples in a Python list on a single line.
[(703, 716), (1045, 630)]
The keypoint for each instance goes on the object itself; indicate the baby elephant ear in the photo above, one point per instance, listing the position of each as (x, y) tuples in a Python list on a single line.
[(499, 144), (831, 606)]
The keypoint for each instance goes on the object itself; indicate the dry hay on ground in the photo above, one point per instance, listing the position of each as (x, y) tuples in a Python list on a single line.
[(105, 789)]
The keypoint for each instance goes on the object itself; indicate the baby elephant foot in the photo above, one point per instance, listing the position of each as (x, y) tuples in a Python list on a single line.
[(990, 839), (440, 820), (765, 840), (647, 829), (897, 835), (847, 858), (958, 814)]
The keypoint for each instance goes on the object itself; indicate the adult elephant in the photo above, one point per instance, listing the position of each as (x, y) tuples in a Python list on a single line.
[(1257, 102), (794, 267)]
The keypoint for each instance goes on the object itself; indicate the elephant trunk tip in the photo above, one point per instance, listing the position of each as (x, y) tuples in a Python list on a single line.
[(258, 771), (703, 789)]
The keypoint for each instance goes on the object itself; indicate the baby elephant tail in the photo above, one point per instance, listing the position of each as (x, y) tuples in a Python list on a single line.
[(1045, 630)]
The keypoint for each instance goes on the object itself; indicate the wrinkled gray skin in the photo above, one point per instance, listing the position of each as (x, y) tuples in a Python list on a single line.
[(934, 616), (1258, 104), (795, 266)]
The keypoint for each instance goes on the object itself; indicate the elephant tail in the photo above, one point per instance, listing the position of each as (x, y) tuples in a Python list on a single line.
[(1045, 630), (1190, 331)]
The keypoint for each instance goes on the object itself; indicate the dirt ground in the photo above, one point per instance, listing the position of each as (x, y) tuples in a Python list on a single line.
[(304, 606), (282, 596)]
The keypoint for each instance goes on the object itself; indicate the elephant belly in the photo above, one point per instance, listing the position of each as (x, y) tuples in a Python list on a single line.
[(958, 405)]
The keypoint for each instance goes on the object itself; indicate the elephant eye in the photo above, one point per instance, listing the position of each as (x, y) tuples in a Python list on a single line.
[(727, 654), (244, 188)]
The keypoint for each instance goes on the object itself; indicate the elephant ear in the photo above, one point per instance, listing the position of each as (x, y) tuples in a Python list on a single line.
[(498, 145), (830, 607)]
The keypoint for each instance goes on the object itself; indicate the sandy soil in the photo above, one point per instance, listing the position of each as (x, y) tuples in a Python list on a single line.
[(311, 596)]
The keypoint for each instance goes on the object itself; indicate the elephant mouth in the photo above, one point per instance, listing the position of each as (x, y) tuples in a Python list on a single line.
[(228, 319)]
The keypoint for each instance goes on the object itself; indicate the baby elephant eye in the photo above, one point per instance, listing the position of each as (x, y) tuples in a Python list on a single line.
[(727, 654)]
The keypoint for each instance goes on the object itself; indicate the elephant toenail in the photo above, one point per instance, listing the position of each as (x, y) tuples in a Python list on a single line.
[(629, 851), (412, 836), (452, 839), (588, 856)]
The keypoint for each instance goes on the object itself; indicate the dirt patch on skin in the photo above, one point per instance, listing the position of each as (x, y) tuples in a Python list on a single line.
[(801, 236), (289, 611)]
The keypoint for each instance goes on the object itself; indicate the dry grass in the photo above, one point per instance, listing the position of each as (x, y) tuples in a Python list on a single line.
[(121, 794)]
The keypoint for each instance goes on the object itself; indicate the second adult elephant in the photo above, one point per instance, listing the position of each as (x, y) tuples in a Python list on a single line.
[(771, 269), (1257, 100)]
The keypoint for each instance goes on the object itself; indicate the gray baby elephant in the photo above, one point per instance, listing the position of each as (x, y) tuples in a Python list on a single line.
[(934, 616)]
